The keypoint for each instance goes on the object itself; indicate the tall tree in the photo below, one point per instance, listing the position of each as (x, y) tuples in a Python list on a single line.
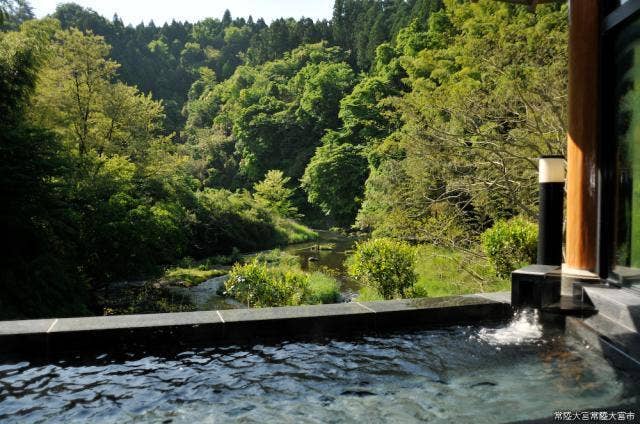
[(38, 275), (13, 13)]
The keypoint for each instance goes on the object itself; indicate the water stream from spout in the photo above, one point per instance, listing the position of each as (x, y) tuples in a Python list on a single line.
[(524, 327)]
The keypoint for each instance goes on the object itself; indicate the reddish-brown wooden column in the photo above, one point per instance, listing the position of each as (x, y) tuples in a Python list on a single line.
[(584, 40)]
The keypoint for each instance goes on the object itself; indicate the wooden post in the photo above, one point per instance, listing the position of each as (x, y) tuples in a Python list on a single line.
[(584, 41)]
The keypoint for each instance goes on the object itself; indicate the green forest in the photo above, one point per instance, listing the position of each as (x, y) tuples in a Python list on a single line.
[(134, 152)]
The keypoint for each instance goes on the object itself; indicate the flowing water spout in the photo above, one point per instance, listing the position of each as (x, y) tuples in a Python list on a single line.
[(525, 327)]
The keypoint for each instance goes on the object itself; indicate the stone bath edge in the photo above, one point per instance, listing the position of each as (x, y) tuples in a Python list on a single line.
[(127, 332)]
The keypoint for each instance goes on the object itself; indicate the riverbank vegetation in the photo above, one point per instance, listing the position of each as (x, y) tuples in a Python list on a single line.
[(126, 149), (276, 279)]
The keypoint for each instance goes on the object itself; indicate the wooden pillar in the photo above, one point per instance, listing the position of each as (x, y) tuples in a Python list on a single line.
[(584, 40)]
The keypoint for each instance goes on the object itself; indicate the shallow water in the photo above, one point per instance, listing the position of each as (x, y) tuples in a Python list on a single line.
[(314, 259), (466, 374)]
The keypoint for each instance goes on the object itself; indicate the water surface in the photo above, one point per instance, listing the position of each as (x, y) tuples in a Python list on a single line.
[(466, 374)]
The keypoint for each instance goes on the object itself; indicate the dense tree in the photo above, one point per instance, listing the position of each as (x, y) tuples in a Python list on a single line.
[(126, 148), (273, 193), (276, 112), (78, 97), (487, 83), (166, 60), (334, 180), (360, 26), (13, 13), (38, 265)]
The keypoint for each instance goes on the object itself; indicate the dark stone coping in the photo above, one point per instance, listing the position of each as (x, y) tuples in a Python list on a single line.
[(539, 270), (614, 329), (128, 332)]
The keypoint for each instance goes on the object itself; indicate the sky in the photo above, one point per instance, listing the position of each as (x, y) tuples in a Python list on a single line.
[(161, 11)]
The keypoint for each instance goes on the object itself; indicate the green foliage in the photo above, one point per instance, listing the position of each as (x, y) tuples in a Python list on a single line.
[(38, 276), (334, 180), (323, 288), (38, 272), (275, 279), (102, 194), (271, 116), (224, 220), (77, 96), (273, 193), (257, 284), (293, 232), (166, 60), (360, 26), (13, 13), (448, 272), (369, 294), (386, 265), (191, 276), (464, 128), (278, 257), (126, 231), (510, 245), (101, 179), (211, 262)]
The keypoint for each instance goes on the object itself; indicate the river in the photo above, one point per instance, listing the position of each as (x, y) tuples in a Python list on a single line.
[(326, 254)]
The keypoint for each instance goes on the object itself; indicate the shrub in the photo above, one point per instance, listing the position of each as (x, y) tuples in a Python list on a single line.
[(510, 245), (323, 288), (258, 285), (384, 264)]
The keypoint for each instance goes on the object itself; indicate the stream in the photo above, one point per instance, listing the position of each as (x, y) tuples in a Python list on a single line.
[(326, 254), (312, 258)]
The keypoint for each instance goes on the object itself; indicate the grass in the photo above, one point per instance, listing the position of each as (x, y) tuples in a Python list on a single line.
[(192, 276), (211, 262), (443, 272), (323, 288), (368, 294), (277, 257), (294, 232)]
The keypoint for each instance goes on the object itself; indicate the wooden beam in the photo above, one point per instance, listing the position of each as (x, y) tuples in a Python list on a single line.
[(584, 40)]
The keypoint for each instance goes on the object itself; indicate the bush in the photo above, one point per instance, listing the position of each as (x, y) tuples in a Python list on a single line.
[(273, 279), (510, 245), (258, 285), (323, 289), (386, 265)]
